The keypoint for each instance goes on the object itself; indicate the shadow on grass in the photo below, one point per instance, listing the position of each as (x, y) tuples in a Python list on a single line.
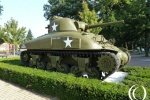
[(12, 62)]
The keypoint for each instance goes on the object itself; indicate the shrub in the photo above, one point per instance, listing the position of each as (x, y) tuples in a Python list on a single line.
[(66, 86)]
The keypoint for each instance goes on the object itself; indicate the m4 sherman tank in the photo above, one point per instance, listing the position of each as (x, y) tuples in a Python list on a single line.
[(70, 48)]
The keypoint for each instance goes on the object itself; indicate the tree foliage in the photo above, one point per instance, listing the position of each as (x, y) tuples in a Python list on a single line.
[(29, 35), (1, 8), (64, 8), (89, 16), (13, 34), (1, 35), (134, 14)]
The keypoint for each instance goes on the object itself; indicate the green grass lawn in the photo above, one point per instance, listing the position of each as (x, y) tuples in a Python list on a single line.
[(68, 87)]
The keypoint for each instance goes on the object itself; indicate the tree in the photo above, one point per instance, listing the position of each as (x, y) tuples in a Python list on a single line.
[(89, 17), (132, 11), (147, 29), (14, 34), (1, 8), (137, 23), (1, 35), (29, 35), (64, 8)]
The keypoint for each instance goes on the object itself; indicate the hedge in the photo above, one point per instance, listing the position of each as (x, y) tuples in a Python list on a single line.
[(138, 71), (64, 86), (139, 76)]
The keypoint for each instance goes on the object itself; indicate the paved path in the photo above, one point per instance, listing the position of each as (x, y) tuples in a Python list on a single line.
[(12, 92), (139, 60)]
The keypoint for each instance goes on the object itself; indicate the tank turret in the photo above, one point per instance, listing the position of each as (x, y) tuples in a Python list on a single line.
[(59, 24), (68, 48), (67, 24)]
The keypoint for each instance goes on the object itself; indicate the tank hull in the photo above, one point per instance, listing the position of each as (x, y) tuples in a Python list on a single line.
[(73, 52), (59, 41)]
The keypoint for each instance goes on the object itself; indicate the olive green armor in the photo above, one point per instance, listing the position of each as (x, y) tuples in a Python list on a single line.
[(71, 48)]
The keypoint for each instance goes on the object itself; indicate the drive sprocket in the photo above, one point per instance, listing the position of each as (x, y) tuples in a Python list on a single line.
[(108, 62)]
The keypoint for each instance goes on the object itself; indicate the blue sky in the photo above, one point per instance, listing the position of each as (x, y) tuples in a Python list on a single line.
[(28, 13)]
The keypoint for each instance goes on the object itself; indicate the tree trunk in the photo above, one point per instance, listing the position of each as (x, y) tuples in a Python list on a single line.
[(14, 49), (146, 45), (132, 44), (126, 45)]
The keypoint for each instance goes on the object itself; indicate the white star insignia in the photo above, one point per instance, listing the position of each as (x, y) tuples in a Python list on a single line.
[(54, 27), (68, 42)]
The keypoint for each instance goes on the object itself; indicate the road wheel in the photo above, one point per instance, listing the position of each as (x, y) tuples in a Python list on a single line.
[(25, 58), (41, 64), (74, 69), (62, 67), (93, 72), (31, 62)]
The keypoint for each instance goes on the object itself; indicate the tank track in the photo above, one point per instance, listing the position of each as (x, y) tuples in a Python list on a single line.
[(79, 54)]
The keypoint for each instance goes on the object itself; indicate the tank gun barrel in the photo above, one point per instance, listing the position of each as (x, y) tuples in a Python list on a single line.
[(103, 24)]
